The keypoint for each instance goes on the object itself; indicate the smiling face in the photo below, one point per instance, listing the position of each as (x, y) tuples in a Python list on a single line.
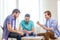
[(47, 14), (27, 19)]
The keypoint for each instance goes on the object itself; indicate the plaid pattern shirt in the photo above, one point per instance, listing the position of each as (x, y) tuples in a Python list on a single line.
[(51, 23)]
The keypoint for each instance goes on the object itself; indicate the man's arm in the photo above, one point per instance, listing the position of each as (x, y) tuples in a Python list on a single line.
[(44, 27), (19, 28), (32, 30), (10, 28), (32, 24), (28, 32)]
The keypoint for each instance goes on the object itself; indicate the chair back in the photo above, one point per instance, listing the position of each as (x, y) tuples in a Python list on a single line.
[(2, 28)]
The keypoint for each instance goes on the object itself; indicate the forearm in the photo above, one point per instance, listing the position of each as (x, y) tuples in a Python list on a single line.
[(32, 30), (19, 28), (44, 27), (49, 29), (41, 25), (16, 31), (9, 27), (12, 30)]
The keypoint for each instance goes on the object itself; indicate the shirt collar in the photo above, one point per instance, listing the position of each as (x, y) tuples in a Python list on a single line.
[(12, 16), (49, 19), (26, 22)]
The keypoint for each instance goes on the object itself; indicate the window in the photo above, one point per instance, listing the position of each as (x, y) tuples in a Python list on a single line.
[(6, 9), (59, 14), (34, 8), (29, 7)]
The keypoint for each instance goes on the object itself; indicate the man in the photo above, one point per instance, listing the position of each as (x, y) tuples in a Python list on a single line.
[(9, 27), (51, 27), (27, 25)]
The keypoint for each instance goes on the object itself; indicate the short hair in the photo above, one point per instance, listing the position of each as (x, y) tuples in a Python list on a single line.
[(27, 15), (16, 11), (48, 13)]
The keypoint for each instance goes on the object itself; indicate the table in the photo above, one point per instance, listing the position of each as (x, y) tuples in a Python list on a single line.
[(33, 38)]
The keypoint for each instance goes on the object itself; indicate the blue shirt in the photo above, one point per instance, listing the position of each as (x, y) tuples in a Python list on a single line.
[(9, 20), (51, 23), (27, 26)]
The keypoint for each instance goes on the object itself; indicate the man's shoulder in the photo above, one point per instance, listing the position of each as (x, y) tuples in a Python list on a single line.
[(9, 17), (53, 20)]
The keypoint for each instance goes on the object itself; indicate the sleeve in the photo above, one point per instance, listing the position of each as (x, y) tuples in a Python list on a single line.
[(9, 20), (54, 25)]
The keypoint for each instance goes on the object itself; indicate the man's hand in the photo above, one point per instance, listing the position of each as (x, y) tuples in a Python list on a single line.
[(25, 31), (20, 32), (44, 27), (28, 32), (38, 23)]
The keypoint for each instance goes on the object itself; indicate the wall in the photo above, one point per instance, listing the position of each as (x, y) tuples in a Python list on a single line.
[(48, 5), (52, 6)]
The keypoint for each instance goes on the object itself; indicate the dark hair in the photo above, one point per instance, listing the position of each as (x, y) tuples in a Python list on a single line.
[(27, 15), (48, 13), (15, 11)]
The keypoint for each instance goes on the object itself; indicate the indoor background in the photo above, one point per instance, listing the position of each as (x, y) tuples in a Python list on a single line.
[(33, 7)]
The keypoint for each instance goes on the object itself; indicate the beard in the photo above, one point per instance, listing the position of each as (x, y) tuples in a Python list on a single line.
[(15, 17)]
